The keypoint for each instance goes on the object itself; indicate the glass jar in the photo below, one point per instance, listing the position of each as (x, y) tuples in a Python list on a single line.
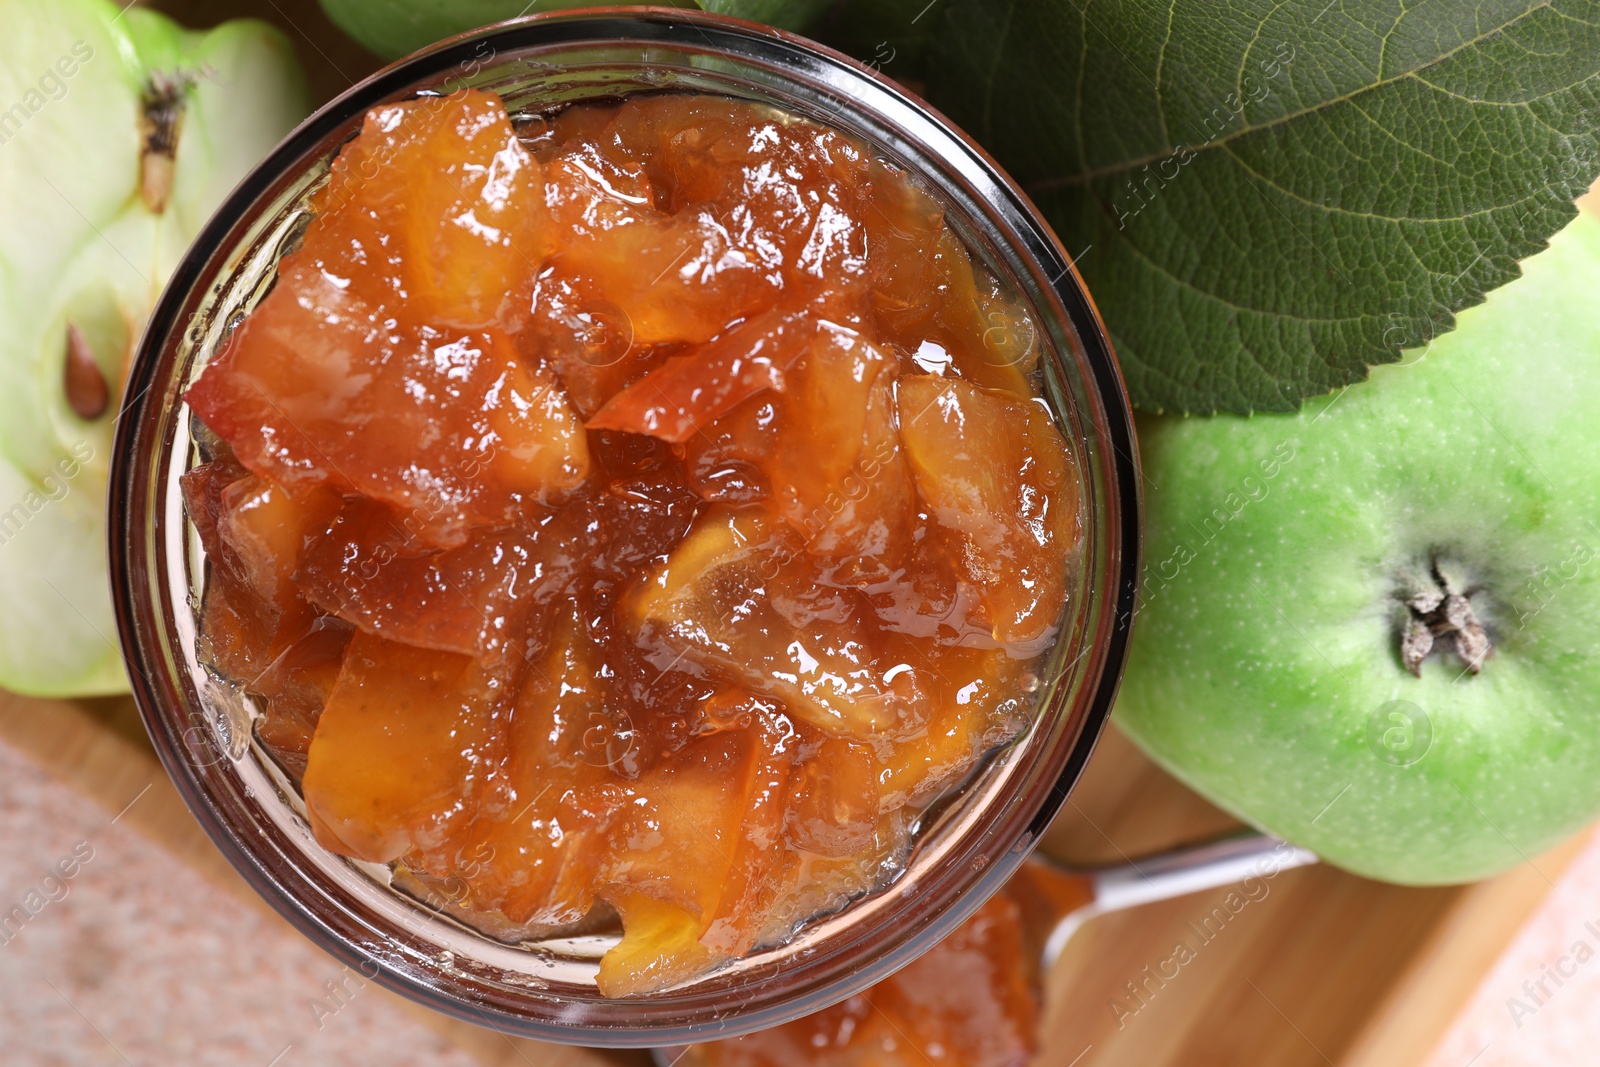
[(968, 844)]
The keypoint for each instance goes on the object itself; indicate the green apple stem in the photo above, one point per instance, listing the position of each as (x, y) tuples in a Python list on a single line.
[(160, 122), (1442, 611)]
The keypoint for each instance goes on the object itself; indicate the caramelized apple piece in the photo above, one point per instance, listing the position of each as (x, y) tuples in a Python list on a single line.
[(660, 945), (433, 206), (296, 687), (687, 214), (926, 289), (687, 393), (850, 494), (549, 840), (376, 365), (451, 429), (268, 531), (402, 753), (713, 604), (790, 189), (370, 570), (689, 857), (203, 488), (589, 343), (834, 799), (905, 253), (244, 624), (1008, 347), (935, 598), (547, 134), (872, 522), (976, 703), (589, 193), (727, 462), (239, 637), (993, 467), (491, 597), (255, 628), (670, 278)]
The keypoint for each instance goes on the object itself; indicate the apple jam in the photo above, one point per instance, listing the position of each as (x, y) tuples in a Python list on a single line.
[(973, 1000), (633, 516)]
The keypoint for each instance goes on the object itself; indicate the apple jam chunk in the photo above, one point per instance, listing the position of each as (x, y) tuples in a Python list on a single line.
[(630, 518)]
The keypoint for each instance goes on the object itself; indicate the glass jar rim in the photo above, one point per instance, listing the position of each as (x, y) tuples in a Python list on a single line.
[(145, 539)]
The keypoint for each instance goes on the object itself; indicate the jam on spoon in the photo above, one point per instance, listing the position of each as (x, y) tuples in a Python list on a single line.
[(974, 999)]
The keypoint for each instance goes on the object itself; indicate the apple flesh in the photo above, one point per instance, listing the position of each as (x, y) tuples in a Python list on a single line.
[(120, 133), (1372, 627)]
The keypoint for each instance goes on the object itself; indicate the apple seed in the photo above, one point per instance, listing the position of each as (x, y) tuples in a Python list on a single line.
[(85, 385)]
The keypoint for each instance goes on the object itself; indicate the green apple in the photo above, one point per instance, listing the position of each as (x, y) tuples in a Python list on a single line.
[(394, 28), (1373, 627), (120, 133)]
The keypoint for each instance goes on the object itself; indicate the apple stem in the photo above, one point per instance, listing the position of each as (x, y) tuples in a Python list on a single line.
[(1442, 612), (160, 122)]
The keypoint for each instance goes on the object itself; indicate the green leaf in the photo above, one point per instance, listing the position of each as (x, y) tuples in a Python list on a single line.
[(394, 28), (894, 36), (1267, 196)]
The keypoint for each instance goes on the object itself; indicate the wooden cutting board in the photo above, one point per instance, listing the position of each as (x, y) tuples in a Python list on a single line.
[(1318, 967)]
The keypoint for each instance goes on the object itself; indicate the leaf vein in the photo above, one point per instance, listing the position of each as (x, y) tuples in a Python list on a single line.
[(1183, 283), (1387, 132), (1244, 56), (1161, 58), (1334, 209)]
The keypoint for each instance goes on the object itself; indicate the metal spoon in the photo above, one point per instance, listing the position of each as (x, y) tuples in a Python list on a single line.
[(1057, 899)]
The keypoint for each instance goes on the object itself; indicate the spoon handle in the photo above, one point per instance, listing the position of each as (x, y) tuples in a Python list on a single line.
[(1190, 870), (1071, 896)]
